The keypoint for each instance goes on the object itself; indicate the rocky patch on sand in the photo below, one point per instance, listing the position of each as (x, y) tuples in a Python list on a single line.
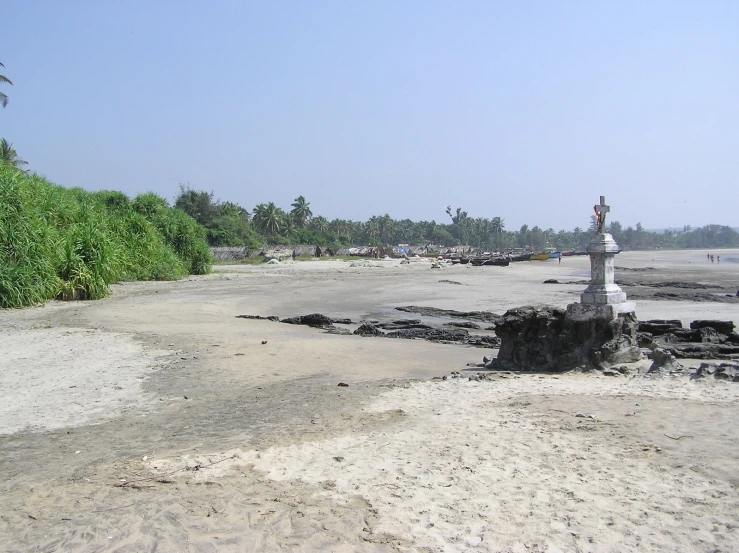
[(408, 329), (484, 316), (665, 364), (273, 318), (677, 290), (705, 339), (430, 334)]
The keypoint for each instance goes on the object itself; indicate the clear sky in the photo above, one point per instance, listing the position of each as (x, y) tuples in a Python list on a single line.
[(524, 110)]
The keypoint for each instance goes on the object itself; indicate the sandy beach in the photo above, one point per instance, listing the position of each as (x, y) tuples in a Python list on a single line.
[(156, 420)]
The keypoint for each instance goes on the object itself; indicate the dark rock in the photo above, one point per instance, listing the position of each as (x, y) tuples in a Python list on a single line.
[(663, 361), (643, 339), (464, 324), (314, 319), (678, 284), (403, 324), (658, 327), (451, 282), (733, 338), (704, 351), (484, 341), (432, 335), (687, 335), (368, 329), (669, 338), (636, 270), (406, 321), (551, 281), (546, 338), (259, 317), (720, 371), (342, 321), (724, 327), (485, 316), (688, 296), (708, 334)]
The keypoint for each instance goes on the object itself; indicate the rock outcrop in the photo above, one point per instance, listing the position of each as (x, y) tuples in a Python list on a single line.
[(547, 339), (368, 329), (314, 319), (705, 339)]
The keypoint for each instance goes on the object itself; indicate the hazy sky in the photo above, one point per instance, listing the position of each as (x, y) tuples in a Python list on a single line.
[(524, 110)]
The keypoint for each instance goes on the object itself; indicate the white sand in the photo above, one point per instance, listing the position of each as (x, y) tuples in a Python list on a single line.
[(466, 471), (60, 377)]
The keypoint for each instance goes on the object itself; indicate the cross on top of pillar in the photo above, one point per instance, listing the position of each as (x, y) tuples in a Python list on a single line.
[(600, 212)]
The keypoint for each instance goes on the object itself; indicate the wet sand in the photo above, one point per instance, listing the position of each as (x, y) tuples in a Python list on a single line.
[(103, 401)]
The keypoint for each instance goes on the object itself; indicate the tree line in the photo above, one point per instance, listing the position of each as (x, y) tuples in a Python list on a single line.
[(229, 224)]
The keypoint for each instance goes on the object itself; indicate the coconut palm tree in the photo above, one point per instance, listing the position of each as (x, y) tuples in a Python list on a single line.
[(301, 211), (3, 97), (319, 224), (497, 225), (268, 218), (8, 155)]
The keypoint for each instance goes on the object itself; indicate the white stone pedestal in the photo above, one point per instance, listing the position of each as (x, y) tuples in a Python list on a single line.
[(602, 298), (603, 289)]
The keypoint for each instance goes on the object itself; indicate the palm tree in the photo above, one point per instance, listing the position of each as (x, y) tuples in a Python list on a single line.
[(319, 224), (497, 225), (3, 97), (8, 155), (301, 211), (268, 218), (459, 217)]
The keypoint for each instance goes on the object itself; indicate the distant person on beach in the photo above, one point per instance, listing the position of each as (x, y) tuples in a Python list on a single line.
[(708, 257), (718, 259), (560, 259), (711, 258), (294, 255)]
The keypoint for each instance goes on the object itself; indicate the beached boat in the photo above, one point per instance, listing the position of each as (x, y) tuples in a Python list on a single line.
[(495, 262), (555, 255), (522, 257), (540, 257)]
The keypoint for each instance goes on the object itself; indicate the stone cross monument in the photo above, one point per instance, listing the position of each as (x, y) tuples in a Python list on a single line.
[(603, 297), (597, 333)]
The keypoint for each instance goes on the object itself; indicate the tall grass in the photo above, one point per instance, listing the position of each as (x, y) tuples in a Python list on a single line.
[(71, 244)]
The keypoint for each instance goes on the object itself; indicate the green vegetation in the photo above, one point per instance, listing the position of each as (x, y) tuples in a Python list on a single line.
[(272, 225), (8, 155), (226, 224), (71, 244)]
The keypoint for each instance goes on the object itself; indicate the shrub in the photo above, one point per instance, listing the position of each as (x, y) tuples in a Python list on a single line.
[(72, 244)]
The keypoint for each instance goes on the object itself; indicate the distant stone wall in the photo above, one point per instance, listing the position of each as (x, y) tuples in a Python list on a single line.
[(237, 253), (229, 253)]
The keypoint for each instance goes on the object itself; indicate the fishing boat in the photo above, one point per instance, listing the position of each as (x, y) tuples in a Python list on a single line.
[(540, 257), (522, 257), (555, 255), (494, 261)]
